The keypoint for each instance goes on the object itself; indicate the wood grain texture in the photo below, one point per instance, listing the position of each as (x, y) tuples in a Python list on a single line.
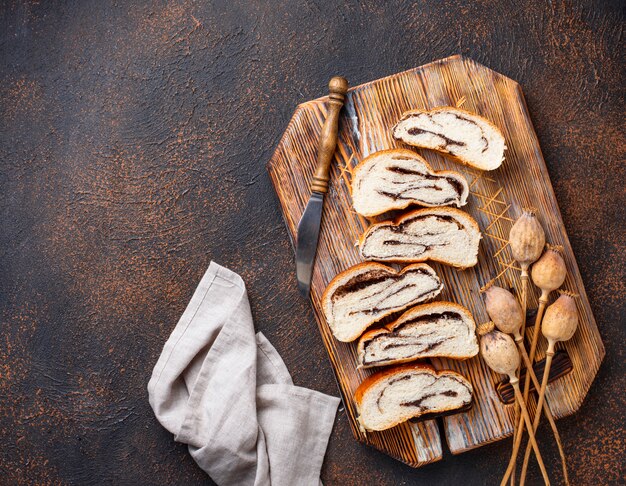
[(496, 200), (133, 140)]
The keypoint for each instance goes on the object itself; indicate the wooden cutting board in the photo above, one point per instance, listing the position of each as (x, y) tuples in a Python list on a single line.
[(495, 201)]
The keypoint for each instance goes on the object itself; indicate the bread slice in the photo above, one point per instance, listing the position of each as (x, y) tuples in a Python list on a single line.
[(469, 138), (442, 329), (364, 294), (396, 395), (394, 179), (446, 235)]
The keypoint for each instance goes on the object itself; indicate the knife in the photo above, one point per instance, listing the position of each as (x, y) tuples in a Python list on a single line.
[(309, 226)]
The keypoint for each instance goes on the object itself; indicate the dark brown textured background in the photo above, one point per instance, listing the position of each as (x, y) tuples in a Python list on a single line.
[(133, 143)]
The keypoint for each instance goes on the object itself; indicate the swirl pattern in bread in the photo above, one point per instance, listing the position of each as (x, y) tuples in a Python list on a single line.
[(446, 235), (469, 138), (398, 394), (362, 295), (438, 329), (395, 179)]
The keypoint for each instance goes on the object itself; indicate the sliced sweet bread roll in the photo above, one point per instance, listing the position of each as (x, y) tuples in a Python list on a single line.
[(438, 329), (394, 179), (398, 394), (446, 235), (362, 295), (471, 139)]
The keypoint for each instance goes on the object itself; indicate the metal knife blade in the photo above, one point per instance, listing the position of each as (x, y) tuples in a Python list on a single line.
[(309, 226), (306, 246)]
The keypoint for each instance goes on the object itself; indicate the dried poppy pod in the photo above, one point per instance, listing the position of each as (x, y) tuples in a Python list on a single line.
[(561, 319), (527, 239), (503, 309), (498, 350), (549, 272)]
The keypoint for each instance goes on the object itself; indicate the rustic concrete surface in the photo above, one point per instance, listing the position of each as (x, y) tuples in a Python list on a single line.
[(133, 141)]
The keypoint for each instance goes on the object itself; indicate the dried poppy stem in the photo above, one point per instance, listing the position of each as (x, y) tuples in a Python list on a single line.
[(535, 424), (526, 240), (499, 352), (547, 412), (560, 324), (531, 434), (543, 301), (506, 314), (548, 274)]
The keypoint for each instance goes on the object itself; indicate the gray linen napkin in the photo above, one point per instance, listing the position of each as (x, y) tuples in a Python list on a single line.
[(226, 393)]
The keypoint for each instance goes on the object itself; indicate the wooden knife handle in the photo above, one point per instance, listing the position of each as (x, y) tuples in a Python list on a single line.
[(338, 88)]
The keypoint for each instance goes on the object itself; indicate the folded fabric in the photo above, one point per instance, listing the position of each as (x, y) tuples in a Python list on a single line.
[(226, 393)]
